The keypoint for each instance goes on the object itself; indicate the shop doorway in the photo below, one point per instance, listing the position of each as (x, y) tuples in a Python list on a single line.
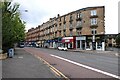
[(94, 45), (83, 44)]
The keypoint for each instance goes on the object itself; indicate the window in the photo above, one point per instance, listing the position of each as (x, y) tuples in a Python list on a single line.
[(48, 30), (53, 29), (94, 31), (93, 12), (60, 26), (71, 17), (64, 33), (60, 33), (64, 18), (70, 25), (70, 32), (79, 15), (64, 26), (78, 33), (60, 19), (79, 23), (56, 26), (55, 34), (93, 21)]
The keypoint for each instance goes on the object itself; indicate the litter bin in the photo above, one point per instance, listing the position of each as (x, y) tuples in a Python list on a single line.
[(0, 51), (11, 53)]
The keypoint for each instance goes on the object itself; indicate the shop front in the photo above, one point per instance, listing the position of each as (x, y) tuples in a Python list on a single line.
[(69, 42), (41, 43), (99, 43), (81, 42), (53, 43)]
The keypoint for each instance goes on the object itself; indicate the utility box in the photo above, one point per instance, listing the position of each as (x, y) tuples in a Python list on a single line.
[(11, 53)]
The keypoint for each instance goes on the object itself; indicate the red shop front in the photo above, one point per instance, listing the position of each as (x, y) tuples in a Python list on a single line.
[(69, 42)]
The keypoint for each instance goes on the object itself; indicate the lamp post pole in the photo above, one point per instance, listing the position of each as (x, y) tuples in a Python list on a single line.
[(93, 39)]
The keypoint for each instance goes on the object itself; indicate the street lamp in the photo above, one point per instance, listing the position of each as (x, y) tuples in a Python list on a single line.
[(93, 38)]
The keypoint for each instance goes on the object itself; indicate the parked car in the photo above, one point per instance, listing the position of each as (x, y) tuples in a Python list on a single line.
[(62, 48), (21, 45)]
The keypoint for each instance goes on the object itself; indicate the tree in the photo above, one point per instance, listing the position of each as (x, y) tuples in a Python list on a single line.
[(118, 40), (13, 28)]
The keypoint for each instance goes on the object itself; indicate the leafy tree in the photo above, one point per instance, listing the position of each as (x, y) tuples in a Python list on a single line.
[(13, 28), (118, 40)]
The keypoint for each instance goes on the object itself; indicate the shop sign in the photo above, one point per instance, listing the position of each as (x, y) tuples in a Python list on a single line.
[(81, 38), (67, 40), (97, 37), (89, 38)]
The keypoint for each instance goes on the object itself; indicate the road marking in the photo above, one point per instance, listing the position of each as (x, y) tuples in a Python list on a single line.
[(56, 71), (88, 67)]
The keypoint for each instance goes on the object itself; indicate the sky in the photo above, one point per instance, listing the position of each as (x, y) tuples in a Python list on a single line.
[(40, 11)]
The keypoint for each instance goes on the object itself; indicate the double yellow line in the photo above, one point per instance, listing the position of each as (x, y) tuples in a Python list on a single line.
[(57, 72)]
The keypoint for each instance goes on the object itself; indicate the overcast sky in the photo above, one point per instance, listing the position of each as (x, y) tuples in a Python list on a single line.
[(40, 11)]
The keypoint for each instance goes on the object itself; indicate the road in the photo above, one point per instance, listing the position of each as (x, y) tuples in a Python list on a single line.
[(79, 65)]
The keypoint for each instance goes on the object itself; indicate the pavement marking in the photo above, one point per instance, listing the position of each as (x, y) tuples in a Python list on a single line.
[(88, 67)]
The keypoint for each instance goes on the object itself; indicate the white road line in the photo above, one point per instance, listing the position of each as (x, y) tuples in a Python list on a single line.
[(88, 67)]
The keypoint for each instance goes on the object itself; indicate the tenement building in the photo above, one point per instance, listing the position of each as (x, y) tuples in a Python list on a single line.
[(80, 29)]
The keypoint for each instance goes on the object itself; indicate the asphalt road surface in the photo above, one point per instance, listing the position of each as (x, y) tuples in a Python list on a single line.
[(79, 65)]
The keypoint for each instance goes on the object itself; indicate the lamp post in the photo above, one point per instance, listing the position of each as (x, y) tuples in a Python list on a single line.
[(93, 38)]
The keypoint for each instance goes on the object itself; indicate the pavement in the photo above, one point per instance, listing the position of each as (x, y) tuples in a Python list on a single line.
[(25, 65), (116, 53)]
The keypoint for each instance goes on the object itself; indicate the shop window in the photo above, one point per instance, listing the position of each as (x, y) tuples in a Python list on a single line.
[(88, 45), (70, 45), (78, 44), (99, 44)]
